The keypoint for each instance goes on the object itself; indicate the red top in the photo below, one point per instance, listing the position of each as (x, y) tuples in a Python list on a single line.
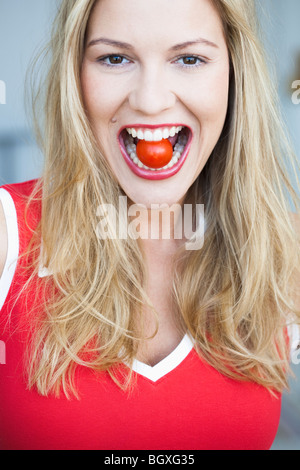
[(181, 404)]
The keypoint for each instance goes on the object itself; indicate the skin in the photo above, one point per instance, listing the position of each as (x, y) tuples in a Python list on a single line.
[(152, 86), (154, 83), (154, 89)]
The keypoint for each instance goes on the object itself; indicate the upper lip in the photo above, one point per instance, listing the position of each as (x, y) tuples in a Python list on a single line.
[(152, 126)]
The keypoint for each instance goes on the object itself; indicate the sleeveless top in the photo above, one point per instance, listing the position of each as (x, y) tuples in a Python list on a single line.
[(180, 403)]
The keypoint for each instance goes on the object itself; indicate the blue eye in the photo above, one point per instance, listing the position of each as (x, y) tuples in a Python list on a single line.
[(113, 60)]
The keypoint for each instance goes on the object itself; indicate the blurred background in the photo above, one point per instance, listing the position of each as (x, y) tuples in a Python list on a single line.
[(24, 29)]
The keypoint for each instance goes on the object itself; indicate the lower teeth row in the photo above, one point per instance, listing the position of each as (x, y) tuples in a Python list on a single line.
[(177, 152)]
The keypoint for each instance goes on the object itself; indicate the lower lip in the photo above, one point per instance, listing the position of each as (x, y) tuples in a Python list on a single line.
[(155, 175)]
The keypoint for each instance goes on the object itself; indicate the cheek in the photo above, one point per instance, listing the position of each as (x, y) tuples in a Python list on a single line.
[(217, 97), (208, 98), (99, 99)]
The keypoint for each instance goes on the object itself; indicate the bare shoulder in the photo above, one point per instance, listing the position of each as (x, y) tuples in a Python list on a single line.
[(3, 239)]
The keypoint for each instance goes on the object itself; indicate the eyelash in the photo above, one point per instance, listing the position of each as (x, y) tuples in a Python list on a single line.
[(200, 60), (102, 61)]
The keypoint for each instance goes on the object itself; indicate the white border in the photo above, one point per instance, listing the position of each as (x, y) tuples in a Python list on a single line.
[(13, 244), (168, 364)]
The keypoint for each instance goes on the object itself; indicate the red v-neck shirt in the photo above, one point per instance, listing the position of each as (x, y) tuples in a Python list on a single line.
[(180, 404)]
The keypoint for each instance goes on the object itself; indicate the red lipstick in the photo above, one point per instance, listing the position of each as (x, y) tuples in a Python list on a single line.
[(127, 144)]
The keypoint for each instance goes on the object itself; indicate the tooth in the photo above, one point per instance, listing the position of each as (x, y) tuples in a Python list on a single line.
[(166, 133), (172, 131), (178, 148), (140, 135), (157, 135), (148, 136)]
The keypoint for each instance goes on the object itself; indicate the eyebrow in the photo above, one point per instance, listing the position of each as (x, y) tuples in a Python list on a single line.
[(110, 42), (183, 45), (126, 45)]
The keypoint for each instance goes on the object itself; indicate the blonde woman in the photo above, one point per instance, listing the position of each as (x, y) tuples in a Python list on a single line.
[(118, 339)]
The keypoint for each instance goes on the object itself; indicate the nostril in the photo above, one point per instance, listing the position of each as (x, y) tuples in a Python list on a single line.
[(151, 99)]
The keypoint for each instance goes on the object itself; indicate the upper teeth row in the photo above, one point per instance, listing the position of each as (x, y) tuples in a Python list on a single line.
[(154, 136)]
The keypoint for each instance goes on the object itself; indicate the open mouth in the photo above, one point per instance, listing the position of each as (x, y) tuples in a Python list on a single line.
[(179, 137)]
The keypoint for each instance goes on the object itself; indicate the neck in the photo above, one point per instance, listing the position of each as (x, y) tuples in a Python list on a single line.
[(159, 229)]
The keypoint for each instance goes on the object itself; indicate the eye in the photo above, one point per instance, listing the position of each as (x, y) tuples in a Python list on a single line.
[(113, 60), (190, 61)]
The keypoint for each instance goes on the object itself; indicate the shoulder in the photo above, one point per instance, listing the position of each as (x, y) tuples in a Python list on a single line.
[(21, 191), (13, 198), (17, 225)]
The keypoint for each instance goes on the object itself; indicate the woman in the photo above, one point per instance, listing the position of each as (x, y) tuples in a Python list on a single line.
[(140, 341)]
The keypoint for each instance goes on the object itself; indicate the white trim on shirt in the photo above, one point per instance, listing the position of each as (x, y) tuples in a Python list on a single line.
[(13, 244), (169, 363)]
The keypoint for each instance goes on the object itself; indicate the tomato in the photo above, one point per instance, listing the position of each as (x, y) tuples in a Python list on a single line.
[(155, 154)]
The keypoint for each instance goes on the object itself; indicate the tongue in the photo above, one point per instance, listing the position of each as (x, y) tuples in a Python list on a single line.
[(173, 140)]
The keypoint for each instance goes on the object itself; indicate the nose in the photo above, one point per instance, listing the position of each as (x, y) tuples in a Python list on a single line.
[(151, 93)]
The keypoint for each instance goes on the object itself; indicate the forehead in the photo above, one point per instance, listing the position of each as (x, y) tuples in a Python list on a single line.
[(162, 22)]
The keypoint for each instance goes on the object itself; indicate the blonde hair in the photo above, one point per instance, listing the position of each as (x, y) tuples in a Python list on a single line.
[(234, 296)]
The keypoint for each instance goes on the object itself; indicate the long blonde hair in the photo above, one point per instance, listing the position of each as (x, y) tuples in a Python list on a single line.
[(234, 296)]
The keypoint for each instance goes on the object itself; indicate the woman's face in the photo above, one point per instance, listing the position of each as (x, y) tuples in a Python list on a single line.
[(157, 68)]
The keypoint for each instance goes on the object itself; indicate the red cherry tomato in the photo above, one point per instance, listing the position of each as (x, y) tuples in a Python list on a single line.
[(155, 154)]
